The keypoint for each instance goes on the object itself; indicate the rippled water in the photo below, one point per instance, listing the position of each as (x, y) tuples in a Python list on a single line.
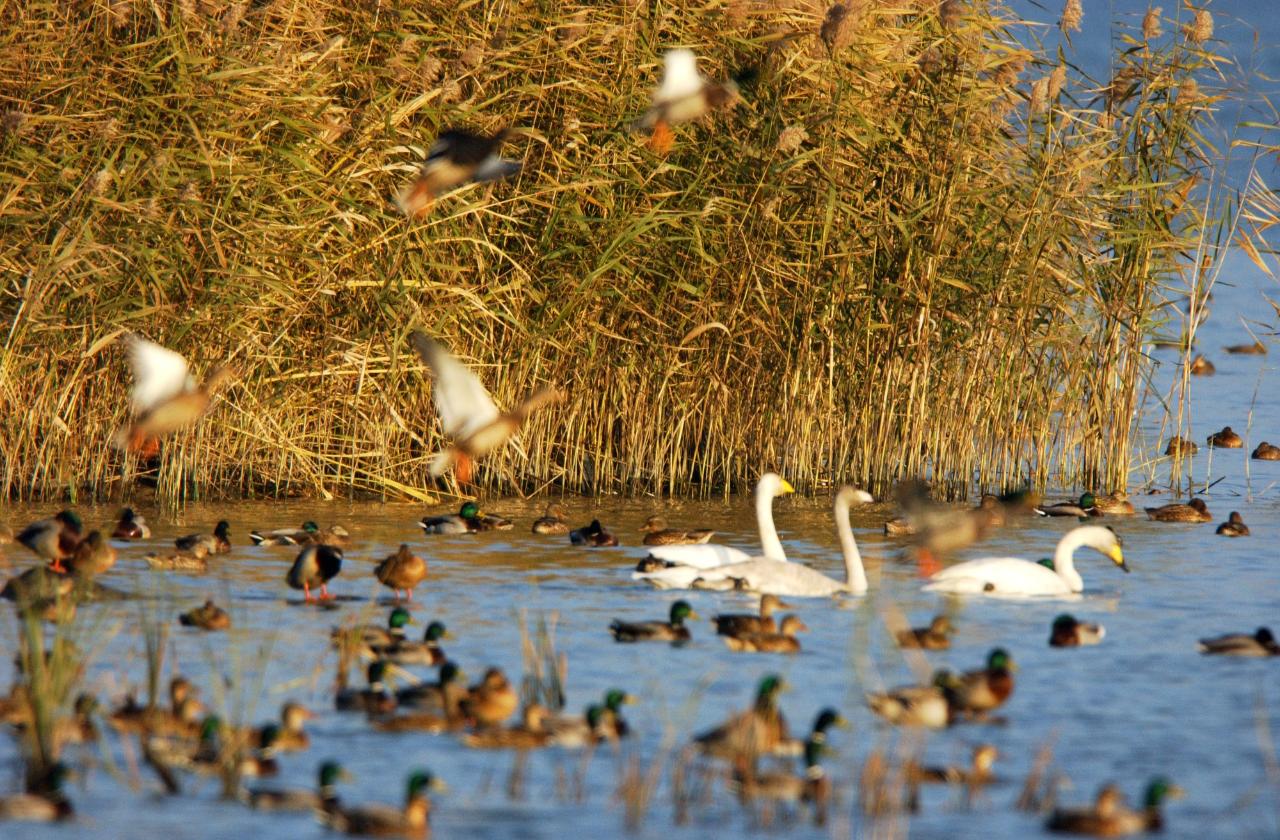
[(1140, 703)]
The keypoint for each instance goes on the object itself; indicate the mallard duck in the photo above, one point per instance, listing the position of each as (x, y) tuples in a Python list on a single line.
[(306, 535), (131, 526), (47, 803), (592, 535), (40, 588), (937, 636), (384, 821), (978, 692), (1110, 818), (209, 617), (219, 542), (915, 705), (425, 652), (261, 762), (612, 726), (683, 96), (977, 773), (1234, 526), (466, 521), (673, 630), (656, 532), (457, 157), (445, 695), (1257, 348), (1114, 504), (1013, 576), (1087, 506), (1200, 366), (577, 731), (373, 699), (1261, 643), (1263, 452), (491, 701), (1194, 511), (54, 539), (812, 786), (682, 564), (822, 722), (779, 577), (1067, 632), (315, 565), (323, 800), (402, 570), (529, 734), (467, 413), (368, 635), (165, 395), (737, 624), (552, 522), (1180, 446), (180, 561), (290, 733), (783, 641), (92, 557), (743, 738), (1225, 439)]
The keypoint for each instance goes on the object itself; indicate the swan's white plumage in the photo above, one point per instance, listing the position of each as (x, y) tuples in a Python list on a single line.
[(1013, 576), (461, 400), (159, 374), (692, 560), (680, 77), (771, 577)]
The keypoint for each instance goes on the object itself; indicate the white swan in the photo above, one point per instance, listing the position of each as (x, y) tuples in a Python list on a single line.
[(1014, 576), (689, 561), (772, 577)]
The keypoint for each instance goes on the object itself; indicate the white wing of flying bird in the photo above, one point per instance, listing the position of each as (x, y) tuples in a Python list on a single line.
[(464, 405), (680, 77), (159, 373)]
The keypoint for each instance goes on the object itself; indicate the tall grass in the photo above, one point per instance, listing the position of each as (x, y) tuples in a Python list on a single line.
[(922, 245)]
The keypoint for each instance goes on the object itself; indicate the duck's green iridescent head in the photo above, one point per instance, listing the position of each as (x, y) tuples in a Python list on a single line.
[(1159, 790), (469, 510), (616, 698), (435, 632), (769, 687), (399, 618), (310, 527), (210, 728), (1000, 660), (595, 714), (1087, 501), (71, 518), (222, 530), (826, 719), (681, 610), (330, 773), (420, 781), (376, 672)]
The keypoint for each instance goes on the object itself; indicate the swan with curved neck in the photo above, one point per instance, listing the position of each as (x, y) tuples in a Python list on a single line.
[(687, 561), (773, 577), (1015, 576)]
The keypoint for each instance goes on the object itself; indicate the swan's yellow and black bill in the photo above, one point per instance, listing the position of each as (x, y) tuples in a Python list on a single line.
[(1117, 556), (785, 487)]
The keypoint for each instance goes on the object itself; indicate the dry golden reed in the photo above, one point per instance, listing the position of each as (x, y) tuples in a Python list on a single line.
[(918, 286)]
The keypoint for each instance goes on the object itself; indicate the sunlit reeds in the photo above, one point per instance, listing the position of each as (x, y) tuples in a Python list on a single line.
[(920, 246)]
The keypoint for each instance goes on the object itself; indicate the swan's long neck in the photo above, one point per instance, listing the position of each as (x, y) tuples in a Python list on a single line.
[(770, 545), (855, 575), (1064, 559)]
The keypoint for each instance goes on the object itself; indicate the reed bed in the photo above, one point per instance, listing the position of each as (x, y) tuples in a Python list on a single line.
[(923, 245)]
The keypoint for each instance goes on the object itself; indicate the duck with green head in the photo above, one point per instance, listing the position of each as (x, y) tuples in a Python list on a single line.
[(612, 725), (368, 635), (762, 730), (976, 693), (1087, 506), (425, 652), (374, 699), (1109, 817), (811, 786), (445, 695), (385, 821), (309, 533), (672, 630), (322, 800), (468, 520)]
